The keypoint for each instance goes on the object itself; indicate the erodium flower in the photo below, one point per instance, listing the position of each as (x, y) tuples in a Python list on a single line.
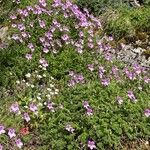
[(50, 106), (2, 129), (1, 147), (89, 111), (105, 82), (33, 107), (15, 108), (28, 56), (91, 67), (119, 100), (69, 128), (19, 143), (86, 104), (11, 133), (91, 145), (131, 96), (147, 112), (26, 117)]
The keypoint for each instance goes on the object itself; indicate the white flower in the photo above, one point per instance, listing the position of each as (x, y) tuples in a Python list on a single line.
[(27, 84), (49, 89), (56, 90), (39, 98), (18, 82), (28, 75), (23, 81), (45, 103), (52, 93), (48, 95), (44, 75), (51, 85), (39, 76), (32, 86)]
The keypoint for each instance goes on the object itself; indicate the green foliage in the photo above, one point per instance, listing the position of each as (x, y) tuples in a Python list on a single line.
[(110, 122), (127, 21), (98, 7)]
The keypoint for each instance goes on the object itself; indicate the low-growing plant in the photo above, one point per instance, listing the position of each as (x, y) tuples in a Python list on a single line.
[(65, 90)]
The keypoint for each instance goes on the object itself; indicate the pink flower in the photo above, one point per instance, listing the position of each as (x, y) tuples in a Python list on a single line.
[(13, 17), (1, 147), (146, 80), (65, 37), (33, 107), (19, 143), (30, 46), (43, 62), (42, 23), (89, 111), (110, 38), (11, 133), (105, 82), (147, 112), (86, 104), (131, 96), (2, 129), (119, 100), (69, 128), (43, 3), (91, 144), (91, 67), (15, 108), (45, 50), (101, 71), (50, 106), (26, 117), (28, 56)]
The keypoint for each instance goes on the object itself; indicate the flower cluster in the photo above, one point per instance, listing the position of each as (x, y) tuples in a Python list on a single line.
[(11, 133), (57, 33), (89, 110), (75, 79)]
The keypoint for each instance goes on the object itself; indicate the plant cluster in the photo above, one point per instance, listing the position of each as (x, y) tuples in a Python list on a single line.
[(65, 90)]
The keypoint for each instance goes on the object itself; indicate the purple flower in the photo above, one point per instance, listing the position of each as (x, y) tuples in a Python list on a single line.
[(42, 23), (2, 129), (19, 143), (147, 112), (43, 3), (86, 104), (28, 56), (45, 50), (26, 117), (101, 71), (89, 111), (105, 82), (30, 46), (13, 17), (1, 147), (91, 145), (15, 108), (91, 67), (21, 27), (65, 37), (50, 106), (146, 80), (69, 128), (43, 62), (119, 100), (11, 133), (33, 107), (131, 96)]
